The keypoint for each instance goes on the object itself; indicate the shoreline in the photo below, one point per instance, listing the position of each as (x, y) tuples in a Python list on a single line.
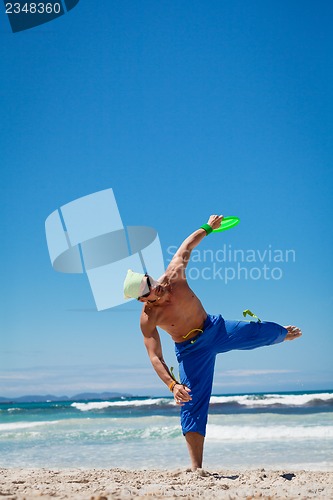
[(116, 483)]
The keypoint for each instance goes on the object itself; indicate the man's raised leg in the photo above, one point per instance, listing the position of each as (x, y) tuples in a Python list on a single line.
[(195, 444)]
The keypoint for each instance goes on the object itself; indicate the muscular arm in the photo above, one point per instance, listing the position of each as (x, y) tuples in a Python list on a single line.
[(153, 345), (181, 258)]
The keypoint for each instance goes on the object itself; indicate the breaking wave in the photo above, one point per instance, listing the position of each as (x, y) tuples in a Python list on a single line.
[(246, 400)]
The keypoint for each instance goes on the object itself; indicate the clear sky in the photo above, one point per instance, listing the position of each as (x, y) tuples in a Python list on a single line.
[(184, 109)]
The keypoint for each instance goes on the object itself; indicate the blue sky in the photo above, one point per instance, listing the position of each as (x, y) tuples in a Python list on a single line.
[(184, 109)]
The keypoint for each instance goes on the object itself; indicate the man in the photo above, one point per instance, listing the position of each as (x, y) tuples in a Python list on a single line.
[(170, 304)]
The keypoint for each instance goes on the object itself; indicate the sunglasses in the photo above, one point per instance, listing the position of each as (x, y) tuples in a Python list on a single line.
[(149, 286)]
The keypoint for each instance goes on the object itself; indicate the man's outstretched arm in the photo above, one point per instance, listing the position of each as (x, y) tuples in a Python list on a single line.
[(183, 254)]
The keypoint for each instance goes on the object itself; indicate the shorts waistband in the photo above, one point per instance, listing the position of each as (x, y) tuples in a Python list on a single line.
[(208, 321)]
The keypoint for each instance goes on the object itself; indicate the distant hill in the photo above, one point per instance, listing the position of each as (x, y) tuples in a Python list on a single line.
[(84, 396)]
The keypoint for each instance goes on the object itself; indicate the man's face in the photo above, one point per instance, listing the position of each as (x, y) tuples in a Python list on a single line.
[(153, 290)]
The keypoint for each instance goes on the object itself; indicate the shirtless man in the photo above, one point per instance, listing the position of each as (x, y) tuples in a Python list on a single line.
[(170, 304)]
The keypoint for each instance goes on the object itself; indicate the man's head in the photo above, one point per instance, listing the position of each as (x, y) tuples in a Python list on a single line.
[(140, 286)]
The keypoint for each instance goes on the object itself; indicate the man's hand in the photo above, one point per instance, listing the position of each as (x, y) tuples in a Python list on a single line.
[(181, 394), (215, 221)]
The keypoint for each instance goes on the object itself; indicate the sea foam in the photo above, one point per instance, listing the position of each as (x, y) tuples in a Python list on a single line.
[(247, 400), (268, 433), (101, 405), (25, 425), (256, 400)]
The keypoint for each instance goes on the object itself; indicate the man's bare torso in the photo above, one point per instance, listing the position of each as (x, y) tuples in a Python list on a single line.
[(178, 313)]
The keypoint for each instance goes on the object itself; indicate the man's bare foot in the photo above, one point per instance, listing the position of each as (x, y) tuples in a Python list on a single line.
[(201, 472), (293, 332)]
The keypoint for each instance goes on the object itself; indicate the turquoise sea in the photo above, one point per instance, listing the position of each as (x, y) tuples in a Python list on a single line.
[(281, 430)]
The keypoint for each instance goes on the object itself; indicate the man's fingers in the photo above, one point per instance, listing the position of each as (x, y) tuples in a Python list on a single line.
[(181, 401), (182, 396), (181, 388), (215, 221), (184, 391)]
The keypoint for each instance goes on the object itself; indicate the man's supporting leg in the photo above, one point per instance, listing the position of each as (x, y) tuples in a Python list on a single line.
[(196, 372), (195, 444)]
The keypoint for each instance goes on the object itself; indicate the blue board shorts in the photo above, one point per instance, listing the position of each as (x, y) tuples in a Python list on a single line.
[(196, 358)]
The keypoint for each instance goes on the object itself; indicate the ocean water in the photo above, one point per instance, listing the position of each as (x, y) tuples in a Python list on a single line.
[(281, 430)]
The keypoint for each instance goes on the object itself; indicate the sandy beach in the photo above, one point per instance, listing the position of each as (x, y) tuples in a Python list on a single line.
[(100, 484)]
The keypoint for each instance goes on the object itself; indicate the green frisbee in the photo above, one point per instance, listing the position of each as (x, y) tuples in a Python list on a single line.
[(227, 223)]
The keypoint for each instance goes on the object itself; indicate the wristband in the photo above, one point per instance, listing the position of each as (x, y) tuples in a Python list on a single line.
[(172, 385), (207, 228)]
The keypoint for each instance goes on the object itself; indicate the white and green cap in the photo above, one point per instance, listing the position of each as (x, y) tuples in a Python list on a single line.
[(135, 285)]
